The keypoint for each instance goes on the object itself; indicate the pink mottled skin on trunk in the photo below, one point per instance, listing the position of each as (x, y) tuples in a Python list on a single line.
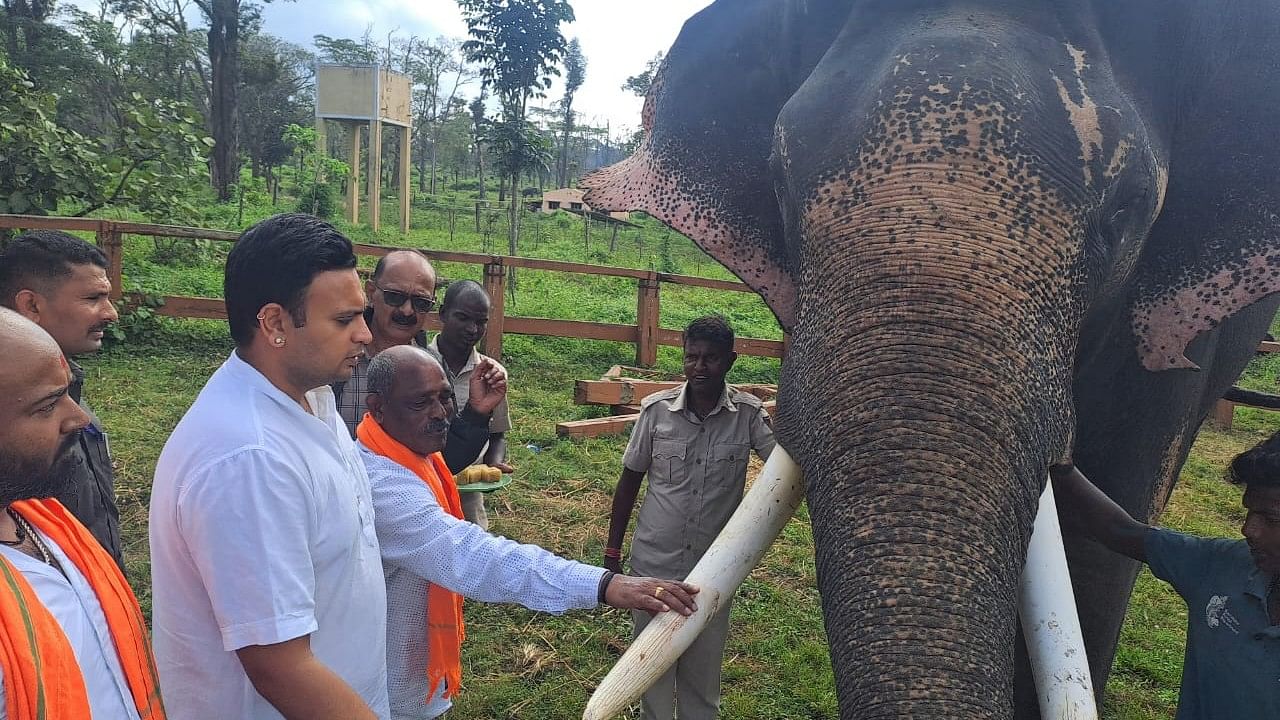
[(1165, 325), (642, 183)]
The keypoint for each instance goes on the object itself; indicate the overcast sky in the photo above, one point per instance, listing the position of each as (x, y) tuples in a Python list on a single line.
[(617, 36)]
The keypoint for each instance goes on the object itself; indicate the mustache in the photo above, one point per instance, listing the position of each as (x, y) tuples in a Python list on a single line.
[(399, 319), (436, 427), (100, 327), (69, 443)]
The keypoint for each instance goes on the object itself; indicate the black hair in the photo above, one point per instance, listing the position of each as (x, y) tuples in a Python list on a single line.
[(457, 289), (712, 328), (1258, 466), (274, 261), (39, 259)]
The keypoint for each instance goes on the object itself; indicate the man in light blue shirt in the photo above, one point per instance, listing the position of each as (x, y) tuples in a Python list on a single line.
[(1232, 587)]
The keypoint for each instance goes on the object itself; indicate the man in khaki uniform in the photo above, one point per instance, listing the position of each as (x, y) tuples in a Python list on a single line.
[(692, 442)]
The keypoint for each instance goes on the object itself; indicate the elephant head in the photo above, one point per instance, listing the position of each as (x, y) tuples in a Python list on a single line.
[(996, 232)]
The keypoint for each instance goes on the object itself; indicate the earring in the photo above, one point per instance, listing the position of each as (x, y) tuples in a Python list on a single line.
[(279, 341)]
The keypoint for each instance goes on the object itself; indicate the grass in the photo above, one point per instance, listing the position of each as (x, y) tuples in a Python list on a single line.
[(520, 664)]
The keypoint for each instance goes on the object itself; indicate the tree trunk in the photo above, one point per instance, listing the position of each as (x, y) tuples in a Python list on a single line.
[(480, 168), (502, 189), (224, 62)]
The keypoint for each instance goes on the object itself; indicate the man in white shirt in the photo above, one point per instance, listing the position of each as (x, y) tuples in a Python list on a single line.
[(268, 597), (76, 641), (426, 545)]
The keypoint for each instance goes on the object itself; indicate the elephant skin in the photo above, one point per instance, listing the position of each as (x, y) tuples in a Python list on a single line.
[(999, 233)]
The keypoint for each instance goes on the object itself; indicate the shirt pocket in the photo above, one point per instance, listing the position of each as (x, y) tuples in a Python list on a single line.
[(728, 461), (669, 460)]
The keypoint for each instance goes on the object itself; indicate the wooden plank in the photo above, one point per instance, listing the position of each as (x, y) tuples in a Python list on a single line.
[(744, 346), (710, 283), (174, 231), (567, 328), (40, 222), (1269, 347), (647, 313), (611, 392), (624, 409), (112, 245), (771, 407), (1224, 414), (495, 284), (595, 427), (190, 307), (579, 268)]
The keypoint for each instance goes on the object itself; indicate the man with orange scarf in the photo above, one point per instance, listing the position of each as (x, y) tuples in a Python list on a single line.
[(73, 642), (432, 558)]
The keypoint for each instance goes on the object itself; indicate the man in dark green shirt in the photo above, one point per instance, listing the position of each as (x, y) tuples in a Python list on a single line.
[(1231, 669), (60, 282)]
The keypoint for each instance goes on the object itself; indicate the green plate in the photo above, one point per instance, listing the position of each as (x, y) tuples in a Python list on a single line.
[(486, 487)]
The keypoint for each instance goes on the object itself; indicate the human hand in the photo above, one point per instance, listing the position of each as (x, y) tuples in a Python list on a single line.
[(650, 594), (506, 467), (487, 387)]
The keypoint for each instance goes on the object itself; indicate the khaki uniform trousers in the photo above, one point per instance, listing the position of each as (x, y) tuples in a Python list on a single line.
[(473, 509), (690, 690)]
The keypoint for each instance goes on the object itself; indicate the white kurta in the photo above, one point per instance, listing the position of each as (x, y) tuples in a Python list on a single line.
[(422, 543), (261, 532), (73, 603)]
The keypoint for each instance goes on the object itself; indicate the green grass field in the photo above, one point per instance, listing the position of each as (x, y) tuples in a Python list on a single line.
[(520, 664)]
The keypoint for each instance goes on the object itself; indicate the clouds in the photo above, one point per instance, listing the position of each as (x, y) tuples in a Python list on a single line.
[(617, 37)]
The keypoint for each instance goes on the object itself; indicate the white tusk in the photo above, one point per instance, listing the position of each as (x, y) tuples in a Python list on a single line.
[(770, 502), (1047, 607)]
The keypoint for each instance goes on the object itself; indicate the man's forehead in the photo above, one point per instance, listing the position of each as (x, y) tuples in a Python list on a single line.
[(336, 290), (419, 375), (409, 273)]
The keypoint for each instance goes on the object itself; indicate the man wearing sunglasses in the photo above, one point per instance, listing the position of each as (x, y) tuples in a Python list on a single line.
[(402, 293)]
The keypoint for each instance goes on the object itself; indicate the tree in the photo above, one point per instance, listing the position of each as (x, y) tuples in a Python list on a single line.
[(151, 165), (479, 127), (517, 45), (640, 83), (276, 82), (225, 21), (347, 51), (575, 66)]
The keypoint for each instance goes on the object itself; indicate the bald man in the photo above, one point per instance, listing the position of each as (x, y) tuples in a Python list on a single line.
[(78, 645), (432, 558), (402, 294)]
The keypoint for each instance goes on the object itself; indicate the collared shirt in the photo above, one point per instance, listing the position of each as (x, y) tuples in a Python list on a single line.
[(71, 600), (697, 470), (92, 496), (422, 543), (500, 419), (262, 532), (1231, 670)]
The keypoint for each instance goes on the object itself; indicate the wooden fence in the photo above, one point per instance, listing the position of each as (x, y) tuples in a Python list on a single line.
[(646, 334)]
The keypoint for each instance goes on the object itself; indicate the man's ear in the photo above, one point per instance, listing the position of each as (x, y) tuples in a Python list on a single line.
[(273, 322), (373, 401), (28, 303)]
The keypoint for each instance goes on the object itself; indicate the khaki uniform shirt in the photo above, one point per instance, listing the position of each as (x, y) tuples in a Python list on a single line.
[(500, 420), (697, 471)]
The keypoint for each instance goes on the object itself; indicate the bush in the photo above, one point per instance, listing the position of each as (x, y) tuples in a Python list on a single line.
[(466, 185), (322, 202)]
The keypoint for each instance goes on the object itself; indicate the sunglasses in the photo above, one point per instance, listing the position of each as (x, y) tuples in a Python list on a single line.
[(395, 298)]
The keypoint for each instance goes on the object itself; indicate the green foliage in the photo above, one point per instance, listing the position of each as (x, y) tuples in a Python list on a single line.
[(139, 322), (519, 147), (150, 165), (517, 44), (639, 83), (317, 194), (41, 164)]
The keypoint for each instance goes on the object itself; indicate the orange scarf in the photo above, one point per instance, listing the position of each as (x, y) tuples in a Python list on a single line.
[(445, 632), (41, 676)]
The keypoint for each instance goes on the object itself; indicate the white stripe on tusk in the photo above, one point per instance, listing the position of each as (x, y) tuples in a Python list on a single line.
[(770, 502), (1051, 625)]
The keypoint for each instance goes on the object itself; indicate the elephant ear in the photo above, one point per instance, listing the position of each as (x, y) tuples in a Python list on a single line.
[(703, 164), (1218, 237)]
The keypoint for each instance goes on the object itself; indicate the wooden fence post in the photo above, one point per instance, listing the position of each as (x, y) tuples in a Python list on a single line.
[(495, 281), (1224, 414), (111, 242), (647, 322)]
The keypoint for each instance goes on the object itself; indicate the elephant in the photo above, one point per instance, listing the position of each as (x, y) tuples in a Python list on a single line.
[(999, 233)]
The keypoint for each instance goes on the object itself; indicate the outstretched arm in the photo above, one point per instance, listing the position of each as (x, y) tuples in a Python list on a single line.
[(1081, 503), (624, 501)]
